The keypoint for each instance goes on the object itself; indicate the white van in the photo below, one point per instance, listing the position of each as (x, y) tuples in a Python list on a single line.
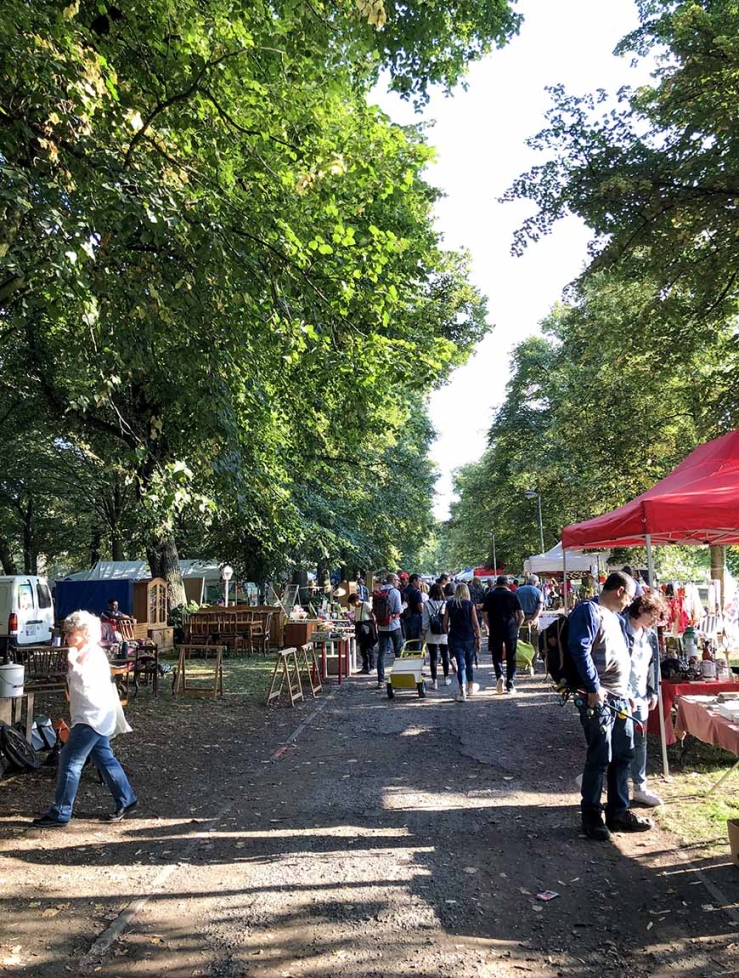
[(26, 611)]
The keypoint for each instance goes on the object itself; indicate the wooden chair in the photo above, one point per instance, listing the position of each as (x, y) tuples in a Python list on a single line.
[(45, 667), (210, 684)]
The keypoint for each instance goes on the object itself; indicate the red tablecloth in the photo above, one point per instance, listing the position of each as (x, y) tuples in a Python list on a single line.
[(702, 721), (671, 691)]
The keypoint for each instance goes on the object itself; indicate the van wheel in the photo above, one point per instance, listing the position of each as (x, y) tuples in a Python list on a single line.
[(421, 689), (390, 691)]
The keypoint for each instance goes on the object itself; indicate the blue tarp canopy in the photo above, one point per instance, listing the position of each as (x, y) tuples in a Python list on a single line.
[(92, 596)]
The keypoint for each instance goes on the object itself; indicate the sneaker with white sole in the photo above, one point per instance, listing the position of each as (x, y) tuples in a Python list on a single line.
[(473, 688), (643, 796), (511, 690), (448, 681), (500, 687), (435, 684), (462, 696)]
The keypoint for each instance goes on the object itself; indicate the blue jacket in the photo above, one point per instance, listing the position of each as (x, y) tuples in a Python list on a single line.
[(584, 625)]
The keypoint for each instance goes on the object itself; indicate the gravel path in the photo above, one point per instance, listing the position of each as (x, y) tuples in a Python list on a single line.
[(389, 838)]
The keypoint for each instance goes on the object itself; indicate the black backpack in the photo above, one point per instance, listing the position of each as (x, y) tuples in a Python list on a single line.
[(555, 651), (436, 622)]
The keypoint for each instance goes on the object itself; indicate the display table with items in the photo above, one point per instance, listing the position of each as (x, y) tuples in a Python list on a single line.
[(670, 693), (714, 722), (337, 650)]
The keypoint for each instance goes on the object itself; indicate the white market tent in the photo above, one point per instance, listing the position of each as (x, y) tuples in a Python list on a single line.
[(138, 570), (552, 562)]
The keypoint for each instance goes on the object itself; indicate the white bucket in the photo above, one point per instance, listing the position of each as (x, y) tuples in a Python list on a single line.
[(11, 680)]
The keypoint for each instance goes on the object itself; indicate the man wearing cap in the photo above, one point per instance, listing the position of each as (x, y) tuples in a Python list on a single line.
[(503, 617)]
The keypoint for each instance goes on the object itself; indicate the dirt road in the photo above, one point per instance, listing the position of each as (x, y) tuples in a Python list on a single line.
[(356, 836)]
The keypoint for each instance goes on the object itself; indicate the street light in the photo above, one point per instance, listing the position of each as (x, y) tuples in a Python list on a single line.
[(227, 573), (533, 494)]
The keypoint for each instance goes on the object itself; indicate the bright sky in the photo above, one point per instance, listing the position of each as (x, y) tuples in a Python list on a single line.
[(479, 136)]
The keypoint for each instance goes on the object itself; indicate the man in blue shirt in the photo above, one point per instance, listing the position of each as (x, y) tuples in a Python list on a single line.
[(531, 598), (599, 647), (389, 631)]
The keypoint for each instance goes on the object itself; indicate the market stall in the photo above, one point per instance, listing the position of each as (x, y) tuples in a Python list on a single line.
[(698, 504), (552, 562)]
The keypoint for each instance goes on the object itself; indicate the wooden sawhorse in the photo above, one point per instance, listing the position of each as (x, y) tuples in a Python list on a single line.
[(286, 663)]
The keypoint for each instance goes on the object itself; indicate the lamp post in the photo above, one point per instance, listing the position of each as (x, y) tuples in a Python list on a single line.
[(495, 562), (227, 573), (533, 494)]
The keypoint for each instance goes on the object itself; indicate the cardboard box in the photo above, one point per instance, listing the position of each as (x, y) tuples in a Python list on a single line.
[(733, 826)]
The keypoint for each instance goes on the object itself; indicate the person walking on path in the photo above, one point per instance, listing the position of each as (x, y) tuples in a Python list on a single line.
[(599, 648), (388, 608), (435, 636), (96, 715), (365, 630), (531, 600), (477, 596), (503, 617), (640, 618), (413, 615), (460, 623)]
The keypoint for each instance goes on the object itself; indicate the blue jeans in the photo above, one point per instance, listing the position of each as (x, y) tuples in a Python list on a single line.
[(383, 640), (610, 741), (84, 742), (464, 653), (638, 767), (413, 623)]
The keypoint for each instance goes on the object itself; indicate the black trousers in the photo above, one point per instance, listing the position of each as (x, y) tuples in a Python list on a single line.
[(496, 641), (434, 652)]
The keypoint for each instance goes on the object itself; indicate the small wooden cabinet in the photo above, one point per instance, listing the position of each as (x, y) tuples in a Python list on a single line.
[(299, 632)]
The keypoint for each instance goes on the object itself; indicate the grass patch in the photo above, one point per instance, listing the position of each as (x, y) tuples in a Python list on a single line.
[(691, 814)]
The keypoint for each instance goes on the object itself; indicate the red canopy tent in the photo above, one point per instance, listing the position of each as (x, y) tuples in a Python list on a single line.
[(697, 503)]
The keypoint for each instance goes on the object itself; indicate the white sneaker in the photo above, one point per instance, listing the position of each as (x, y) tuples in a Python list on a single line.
[(448, 681), (643, 796), (500, 687), (435, 684), (511, 690), (462, 696), (473, 688)]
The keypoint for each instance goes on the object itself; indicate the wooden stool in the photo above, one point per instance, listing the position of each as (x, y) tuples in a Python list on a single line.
[(286, 662), (308, 664), (184, 684)]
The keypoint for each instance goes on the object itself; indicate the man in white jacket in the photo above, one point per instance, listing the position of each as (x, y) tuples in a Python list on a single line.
[(96, 715)]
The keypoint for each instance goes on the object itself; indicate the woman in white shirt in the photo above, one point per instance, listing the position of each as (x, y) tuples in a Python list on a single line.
[(436, 641), (97, 715), (640, 618)]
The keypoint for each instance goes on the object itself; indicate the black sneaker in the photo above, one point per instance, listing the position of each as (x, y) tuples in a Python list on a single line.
[(120, 813), (595, 828), (48, 822), (628, 821)]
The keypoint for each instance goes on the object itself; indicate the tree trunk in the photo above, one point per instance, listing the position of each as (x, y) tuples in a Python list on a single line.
[(164, 562), (6, 557), (30, 560), (718, 571), (95, 542), (116, 545)]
